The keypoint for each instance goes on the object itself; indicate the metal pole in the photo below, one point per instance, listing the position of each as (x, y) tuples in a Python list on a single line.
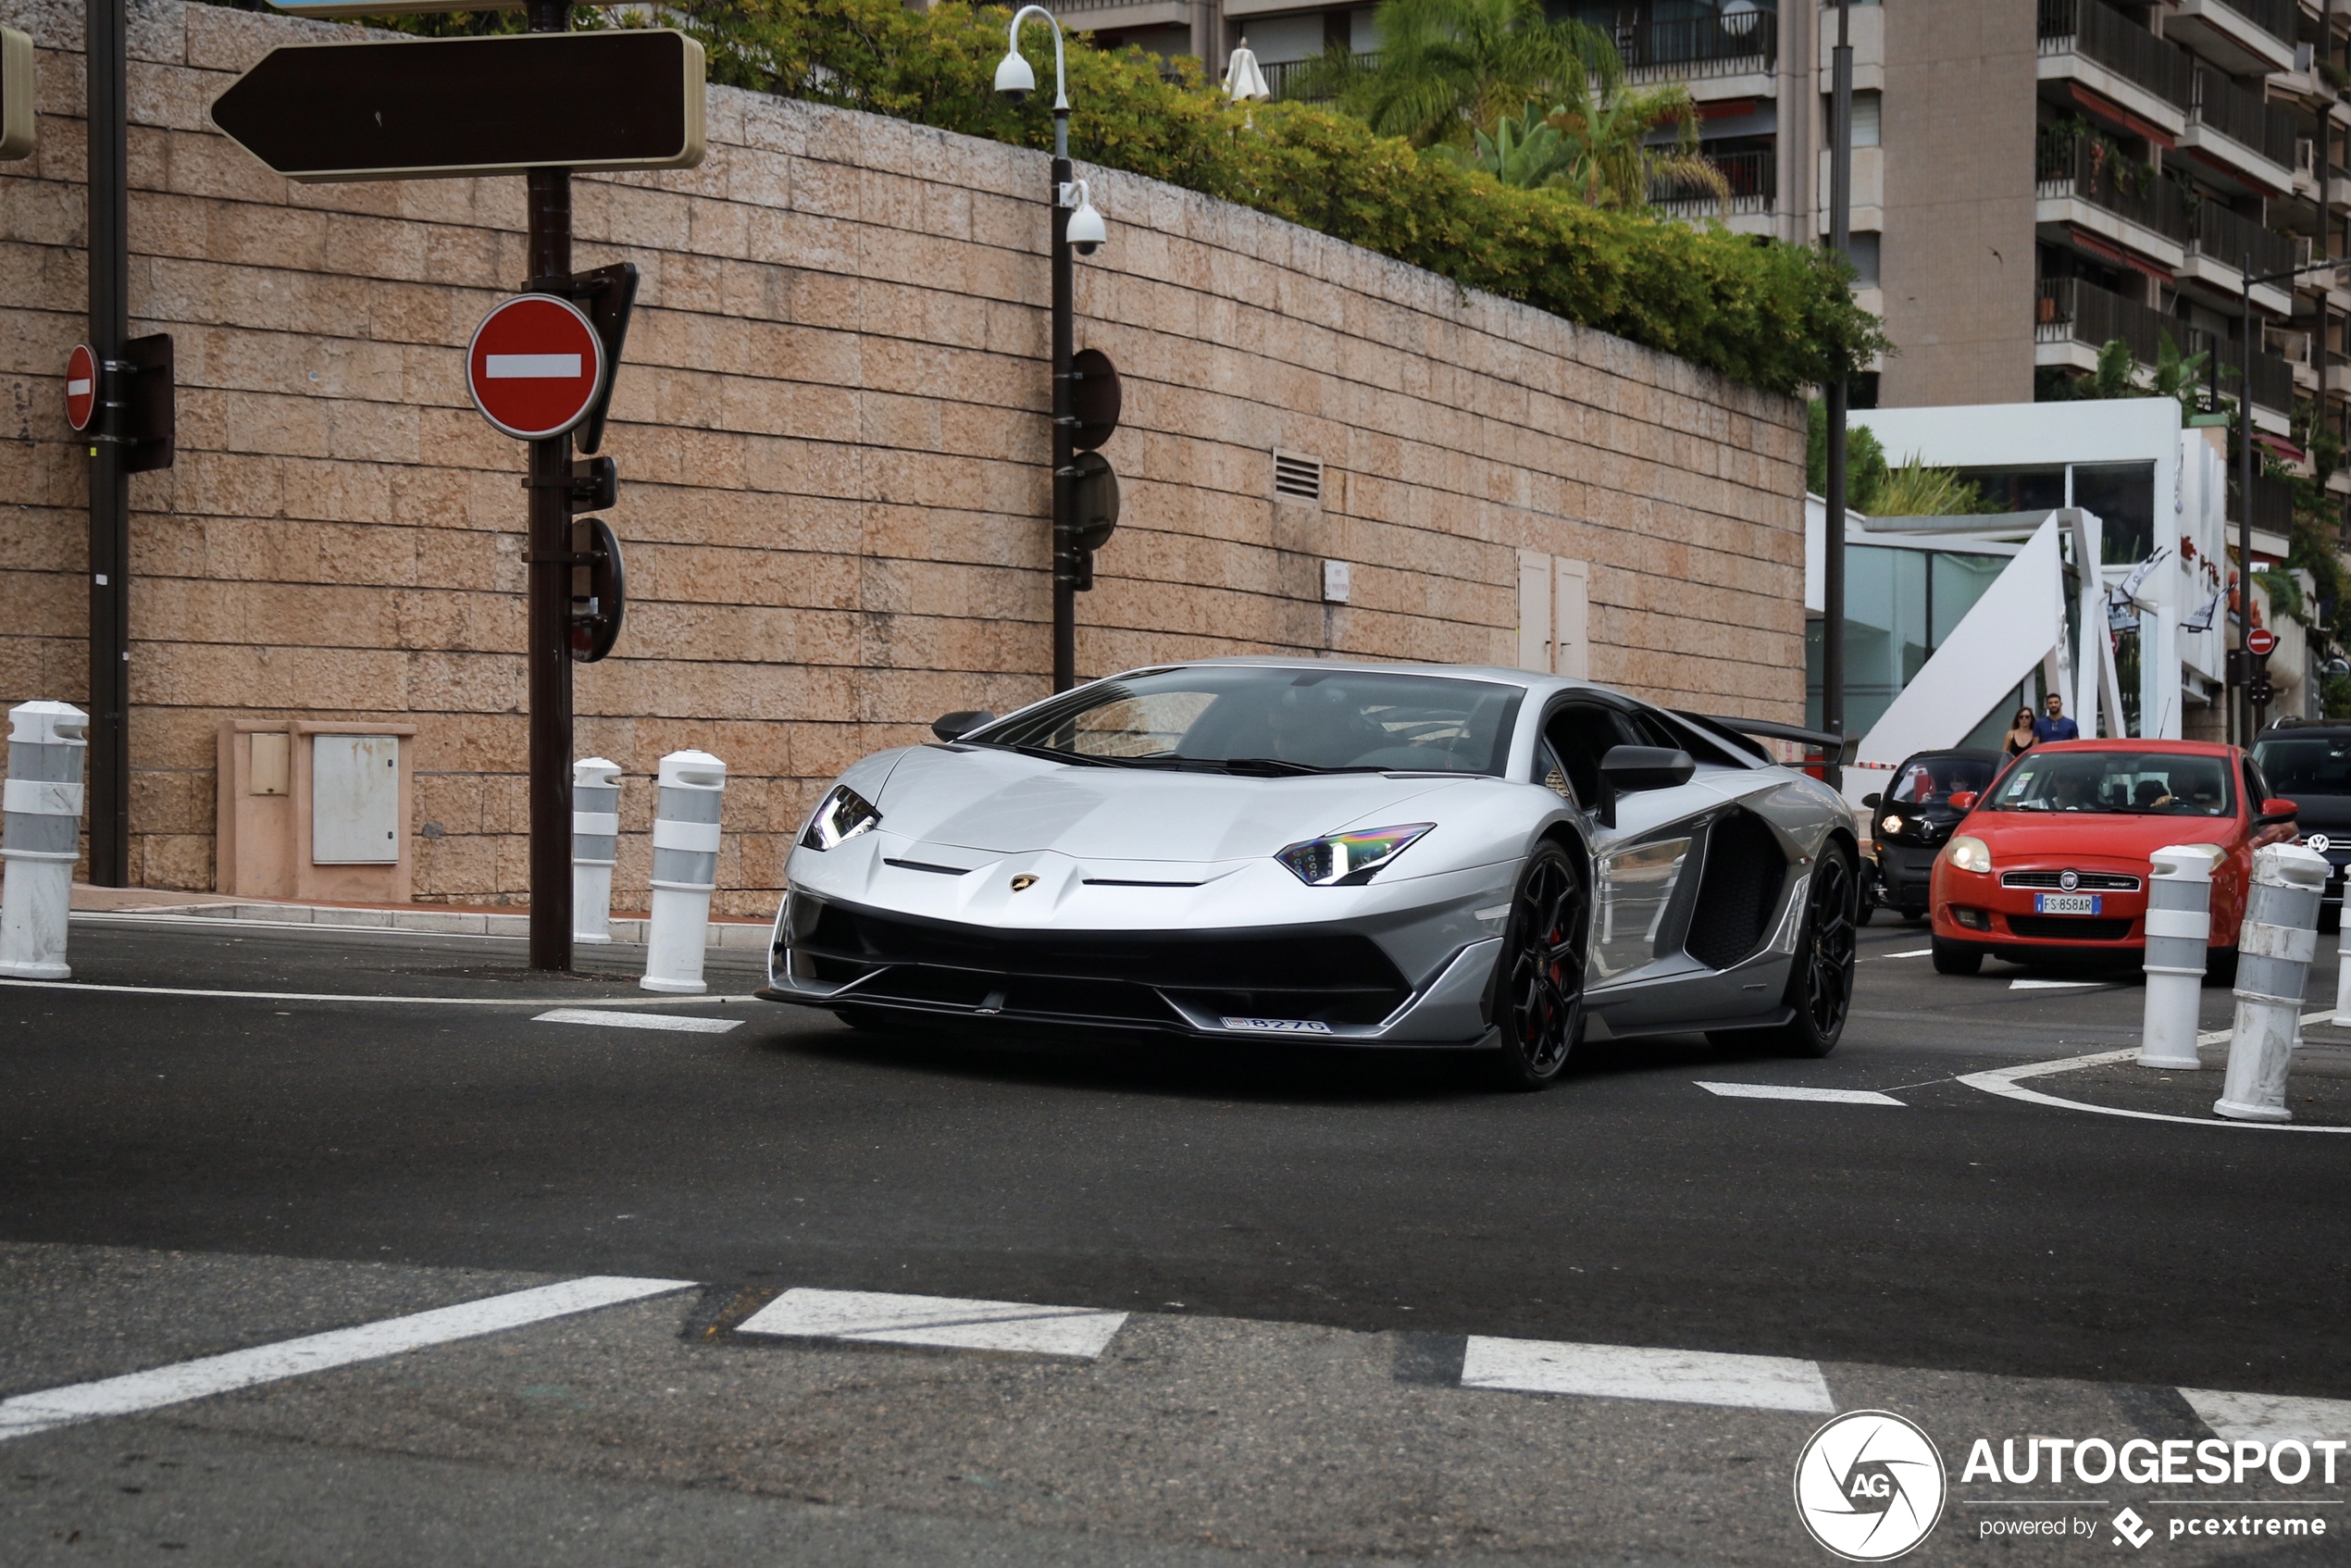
[(1064, 420), (2238, 717), (549, 644), (1833, 546), (108, 777)]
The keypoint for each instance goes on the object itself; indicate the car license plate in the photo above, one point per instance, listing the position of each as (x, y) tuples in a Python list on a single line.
[(2065, 903)]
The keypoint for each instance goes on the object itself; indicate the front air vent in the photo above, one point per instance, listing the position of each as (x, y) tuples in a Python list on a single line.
[(1298, 478)]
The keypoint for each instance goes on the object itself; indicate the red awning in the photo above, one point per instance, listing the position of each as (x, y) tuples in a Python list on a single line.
[(2101, 246), (2286, 449), (2107, 108)]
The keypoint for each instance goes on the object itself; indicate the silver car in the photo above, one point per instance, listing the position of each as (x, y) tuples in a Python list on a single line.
[(1343, 854)]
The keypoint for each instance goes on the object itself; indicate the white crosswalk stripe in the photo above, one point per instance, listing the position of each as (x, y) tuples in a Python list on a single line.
[(1631, 1372), (600, 1019), (1793, 1091), (936, 1322)]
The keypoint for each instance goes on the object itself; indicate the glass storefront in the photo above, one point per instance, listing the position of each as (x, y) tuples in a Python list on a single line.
[(1899, 606)]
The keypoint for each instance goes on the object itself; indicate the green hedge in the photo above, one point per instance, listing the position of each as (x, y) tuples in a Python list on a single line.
[(1776, 316)]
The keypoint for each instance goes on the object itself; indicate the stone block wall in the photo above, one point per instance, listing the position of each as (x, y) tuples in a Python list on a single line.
[(830, 431)]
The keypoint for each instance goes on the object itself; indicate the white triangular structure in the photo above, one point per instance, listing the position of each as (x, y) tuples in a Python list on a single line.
[(1242, 78), (2018, 625)]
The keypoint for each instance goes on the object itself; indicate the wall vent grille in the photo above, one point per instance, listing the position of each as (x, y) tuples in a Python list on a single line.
[(1297, 477)]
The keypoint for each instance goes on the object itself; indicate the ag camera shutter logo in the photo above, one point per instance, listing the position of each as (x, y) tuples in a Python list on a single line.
[(1870, 1486)]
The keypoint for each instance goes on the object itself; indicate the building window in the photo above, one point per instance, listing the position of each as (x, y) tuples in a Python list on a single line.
[(1900, 606), (1867, 117), (1862, 249)]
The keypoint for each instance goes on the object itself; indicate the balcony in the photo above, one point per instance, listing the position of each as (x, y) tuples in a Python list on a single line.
[(1754, 178), (2218, 242), (2243, 37), (2115, 65), (1700, 48), (2272, 376), (2104, 201), (1287, 78), (2235, 135), (2272, 509)]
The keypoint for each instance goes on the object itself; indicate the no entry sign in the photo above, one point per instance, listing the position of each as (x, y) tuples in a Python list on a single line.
[(81, 386), (534, 366), (2260, 642)]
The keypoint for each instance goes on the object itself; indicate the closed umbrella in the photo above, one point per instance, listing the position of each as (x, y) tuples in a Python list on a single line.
[(1242, 78)]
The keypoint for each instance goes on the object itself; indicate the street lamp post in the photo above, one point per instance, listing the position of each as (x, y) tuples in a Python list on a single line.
[(2240, 669), (1833, 543), (1076, 227)]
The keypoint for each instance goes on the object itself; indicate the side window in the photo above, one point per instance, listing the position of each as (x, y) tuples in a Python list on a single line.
[(1650, 731), (1551, 773), (1581, 734)]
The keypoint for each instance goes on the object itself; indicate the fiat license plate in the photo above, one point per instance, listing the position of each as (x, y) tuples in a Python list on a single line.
[(2065, 903)]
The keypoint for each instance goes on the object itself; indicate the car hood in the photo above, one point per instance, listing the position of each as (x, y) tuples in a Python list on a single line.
[(1005, 803), (2321, 814), (2092, 834)]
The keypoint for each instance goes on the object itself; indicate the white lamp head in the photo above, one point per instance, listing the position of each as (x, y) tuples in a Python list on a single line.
[(1085, 227), (1015, 80)]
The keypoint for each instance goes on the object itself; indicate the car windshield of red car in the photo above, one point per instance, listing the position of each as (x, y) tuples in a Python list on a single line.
[(1932, 780), (2305, 766), (2129, 783)]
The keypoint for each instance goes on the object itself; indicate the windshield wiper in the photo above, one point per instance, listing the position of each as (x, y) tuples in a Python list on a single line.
[(1046, 753)]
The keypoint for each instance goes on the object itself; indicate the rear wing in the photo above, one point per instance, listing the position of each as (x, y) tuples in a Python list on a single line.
[(1832, 746)]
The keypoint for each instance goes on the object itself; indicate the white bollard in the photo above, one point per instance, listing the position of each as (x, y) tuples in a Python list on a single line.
[(2343, 974), (40, 837), (595, 838), (685, 871), (2179, 928), (2274, 950)]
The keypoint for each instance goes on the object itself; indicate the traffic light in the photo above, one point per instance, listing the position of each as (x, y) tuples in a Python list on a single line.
[(606, 296), (1095, 403), (1093, 515)]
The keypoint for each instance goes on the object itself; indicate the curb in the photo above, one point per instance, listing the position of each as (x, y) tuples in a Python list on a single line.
[(725, 935)]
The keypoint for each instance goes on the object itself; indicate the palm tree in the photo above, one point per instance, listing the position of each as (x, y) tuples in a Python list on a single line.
[(1448, 67), (1607, 159)]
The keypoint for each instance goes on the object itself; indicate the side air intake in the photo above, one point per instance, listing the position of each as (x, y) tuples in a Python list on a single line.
[(1744, 869)]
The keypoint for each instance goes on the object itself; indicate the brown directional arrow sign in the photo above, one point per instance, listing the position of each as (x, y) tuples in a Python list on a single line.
[(447, 107)]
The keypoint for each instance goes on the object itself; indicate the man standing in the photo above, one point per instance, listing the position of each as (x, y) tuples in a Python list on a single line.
[(2053, 725)]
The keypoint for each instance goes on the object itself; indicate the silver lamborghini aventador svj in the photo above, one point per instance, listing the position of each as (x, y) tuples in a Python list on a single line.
[(1342, 854)]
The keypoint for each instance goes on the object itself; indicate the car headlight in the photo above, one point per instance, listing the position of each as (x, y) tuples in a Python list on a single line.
[(841, 816), (1893, 825), (1345, 860), (1969, 853)]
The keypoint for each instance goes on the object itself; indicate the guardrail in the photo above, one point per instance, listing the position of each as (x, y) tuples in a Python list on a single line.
[(2088, 168), (1733, 43), (1754, 178)]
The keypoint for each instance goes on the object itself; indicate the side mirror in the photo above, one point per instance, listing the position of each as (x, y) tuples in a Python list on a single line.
[(956, 726), (2276, 812), (1628, 770), (1964, 800), (1872, 799)]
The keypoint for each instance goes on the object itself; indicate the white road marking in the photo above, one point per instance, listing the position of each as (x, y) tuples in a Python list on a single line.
[(639, 1021), (2270, 1417), (378, 1000), (1628, 1372), (2003, 1082), (135, 1392), (1789, 1091), (942, 1322), (1908, 952), (2055, 985), (530, 368)]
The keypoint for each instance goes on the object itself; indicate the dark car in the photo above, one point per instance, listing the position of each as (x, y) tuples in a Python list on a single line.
[(2311, 762), (1912, 818)]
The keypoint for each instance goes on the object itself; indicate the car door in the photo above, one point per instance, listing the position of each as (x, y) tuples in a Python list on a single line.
[(1641, 857)]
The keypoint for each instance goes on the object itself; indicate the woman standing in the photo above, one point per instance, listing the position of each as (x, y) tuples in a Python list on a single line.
[(2020, 737)]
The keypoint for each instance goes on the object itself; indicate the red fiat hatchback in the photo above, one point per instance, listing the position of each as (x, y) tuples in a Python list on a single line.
[(2051, 862)]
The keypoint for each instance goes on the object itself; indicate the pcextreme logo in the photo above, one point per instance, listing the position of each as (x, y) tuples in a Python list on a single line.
[(1870, 1486)]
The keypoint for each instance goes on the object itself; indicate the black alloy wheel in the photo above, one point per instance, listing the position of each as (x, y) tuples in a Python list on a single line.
[(1820, 982), (1540, 975)]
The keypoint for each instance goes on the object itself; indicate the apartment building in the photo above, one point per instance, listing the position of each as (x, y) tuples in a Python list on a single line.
[(2032, 179)]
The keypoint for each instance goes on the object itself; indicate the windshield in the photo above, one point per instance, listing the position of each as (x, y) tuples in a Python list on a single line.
[(1931, 782), (2161, 783), (1248, 719), (2314, 766)]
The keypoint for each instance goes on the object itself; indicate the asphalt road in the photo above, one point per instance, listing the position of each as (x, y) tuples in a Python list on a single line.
[(1383, 1205)]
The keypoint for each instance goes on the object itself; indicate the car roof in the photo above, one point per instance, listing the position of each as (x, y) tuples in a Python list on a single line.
[(1533, 680), (2131, 743), (1964, 754)]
